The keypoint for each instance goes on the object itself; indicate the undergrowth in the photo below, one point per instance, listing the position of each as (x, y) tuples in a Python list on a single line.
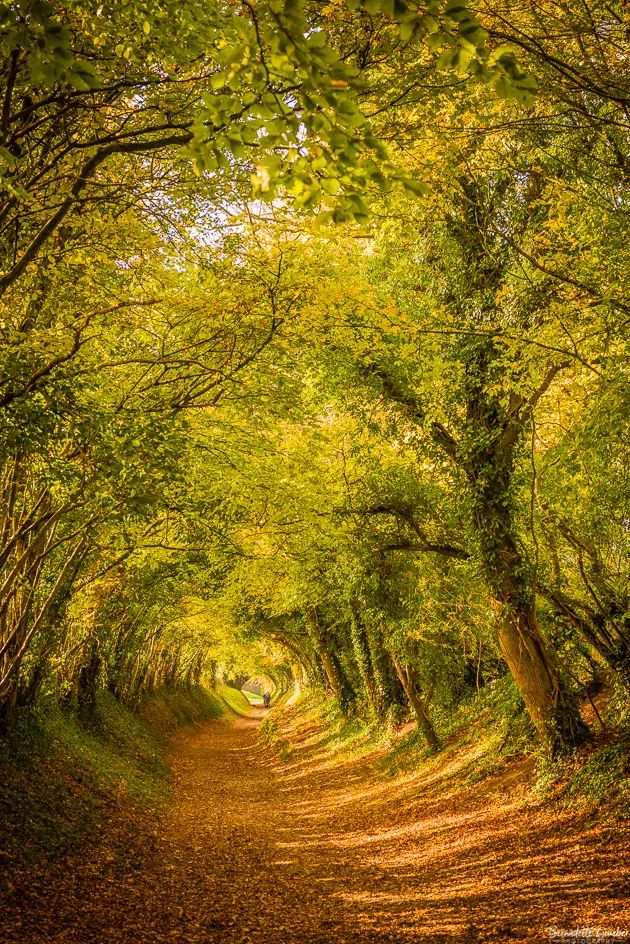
[(596, 780)]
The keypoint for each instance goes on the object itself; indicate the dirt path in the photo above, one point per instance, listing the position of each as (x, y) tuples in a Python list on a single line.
[(319, 850)]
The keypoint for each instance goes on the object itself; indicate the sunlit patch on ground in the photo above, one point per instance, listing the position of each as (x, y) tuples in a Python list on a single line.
[(327, 847)]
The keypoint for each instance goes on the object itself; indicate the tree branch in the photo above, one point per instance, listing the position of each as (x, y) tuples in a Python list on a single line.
[(87, 172)]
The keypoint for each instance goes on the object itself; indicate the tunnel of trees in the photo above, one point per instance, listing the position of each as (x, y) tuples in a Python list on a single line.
[(312, 323)]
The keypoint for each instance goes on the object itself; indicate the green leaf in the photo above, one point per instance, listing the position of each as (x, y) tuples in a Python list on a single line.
[(418, 187)]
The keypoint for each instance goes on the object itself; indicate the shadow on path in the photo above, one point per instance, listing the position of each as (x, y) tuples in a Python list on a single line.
[(254, 851)]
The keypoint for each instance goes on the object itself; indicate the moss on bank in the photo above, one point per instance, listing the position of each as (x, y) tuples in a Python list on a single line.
[(60, 779)]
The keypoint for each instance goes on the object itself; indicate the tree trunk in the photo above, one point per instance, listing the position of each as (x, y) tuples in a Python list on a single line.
[(336, 681), (362, 655), (8, 705), (489, 465), (551, 706), (418, 701), (86, 685), (388, 685)]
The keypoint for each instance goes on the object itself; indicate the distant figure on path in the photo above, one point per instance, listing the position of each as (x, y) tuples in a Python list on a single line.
[(266, 699)]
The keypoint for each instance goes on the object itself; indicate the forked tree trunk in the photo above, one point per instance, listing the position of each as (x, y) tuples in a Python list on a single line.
[(336, 682), (419, 701)]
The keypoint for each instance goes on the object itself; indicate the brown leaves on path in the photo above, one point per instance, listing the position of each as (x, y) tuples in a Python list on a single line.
[(318, 849)]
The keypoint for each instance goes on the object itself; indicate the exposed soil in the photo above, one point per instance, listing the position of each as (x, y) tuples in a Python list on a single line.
[(316, 848)]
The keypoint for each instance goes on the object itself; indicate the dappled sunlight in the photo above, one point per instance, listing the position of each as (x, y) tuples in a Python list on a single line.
[(425, 848), (344, 851), (313, 470), (351, 786)]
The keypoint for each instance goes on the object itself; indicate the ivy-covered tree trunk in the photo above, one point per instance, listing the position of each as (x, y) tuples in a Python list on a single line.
[(337, 683), (529, 657), (486, 455), (388, 685), (360, 645), (497, 415)]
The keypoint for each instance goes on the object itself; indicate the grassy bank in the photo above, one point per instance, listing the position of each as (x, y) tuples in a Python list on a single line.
[(485, 738), (61, 780), (235, 699)]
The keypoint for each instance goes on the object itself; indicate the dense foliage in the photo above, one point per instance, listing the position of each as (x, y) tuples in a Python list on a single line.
[(313, 325)]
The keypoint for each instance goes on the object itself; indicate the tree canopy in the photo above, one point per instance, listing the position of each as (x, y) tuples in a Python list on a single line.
[(313, 326)]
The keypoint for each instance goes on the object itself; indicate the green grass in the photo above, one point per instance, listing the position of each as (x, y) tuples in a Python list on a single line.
[(59, 779), (234, 699), (252, 697), (175, 708)]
